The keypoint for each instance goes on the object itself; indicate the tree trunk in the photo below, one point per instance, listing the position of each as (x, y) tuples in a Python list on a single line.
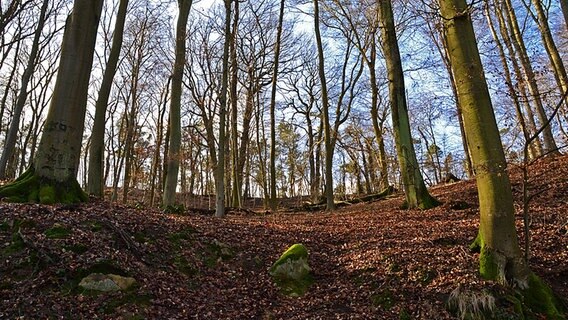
[(507, 41), (273, 203), (551, 49), (236, 169), (220, 169), (330, 204), (534, 152), (10, 142), (95, 184), (518, 42), (53, 176), (417, 195), (500, 257), (564, 6), (174, 122)]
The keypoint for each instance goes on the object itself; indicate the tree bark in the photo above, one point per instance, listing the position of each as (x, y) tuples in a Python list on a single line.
[(95, 183), (273, 201), (415, 190), (500, 257), (174, 122), (53, 176), (220, 169), (518, 43), (330, 204), (10, 141)]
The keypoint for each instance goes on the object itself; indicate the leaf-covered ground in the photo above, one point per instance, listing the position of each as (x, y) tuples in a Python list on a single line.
[(369, 261)]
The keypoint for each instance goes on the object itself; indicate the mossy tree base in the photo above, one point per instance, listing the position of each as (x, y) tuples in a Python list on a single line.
[(533, 294), (30, 187)]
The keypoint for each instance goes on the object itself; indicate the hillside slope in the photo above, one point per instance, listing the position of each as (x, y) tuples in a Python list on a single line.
[(369, 261)]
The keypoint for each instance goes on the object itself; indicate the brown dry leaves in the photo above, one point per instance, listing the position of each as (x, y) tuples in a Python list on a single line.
[(370, 261)]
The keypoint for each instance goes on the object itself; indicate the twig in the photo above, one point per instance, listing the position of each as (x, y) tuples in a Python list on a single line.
[(126, 239)]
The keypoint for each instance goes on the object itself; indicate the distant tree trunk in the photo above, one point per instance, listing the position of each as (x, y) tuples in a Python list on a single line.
[(551, 49), (507, 41), (564, 6), (174, 122), (273, 203), (159, 138), (95, 182), (236, 170), (10, 142), (500, 257), (53, 176), (534, 152), (518, 42), (330, 203), (415, 190), (437, 33), (220, 169)]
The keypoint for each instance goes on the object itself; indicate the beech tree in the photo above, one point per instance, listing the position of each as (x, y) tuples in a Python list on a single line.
[(500, 255), (415, 190), (175, 106), (95, 183), (10, 142), (52, 177)]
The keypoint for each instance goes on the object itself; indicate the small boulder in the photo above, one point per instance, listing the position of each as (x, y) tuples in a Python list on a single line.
[(106, 282), (291, 271)]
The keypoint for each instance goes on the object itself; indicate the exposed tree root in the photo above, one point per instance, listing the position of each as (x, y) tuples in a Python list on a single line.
[(30, 187)]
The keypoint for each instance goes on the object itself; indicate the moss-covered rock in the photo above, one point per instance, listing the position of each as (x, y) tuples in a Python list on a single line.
[(291, 271), (106, 282)]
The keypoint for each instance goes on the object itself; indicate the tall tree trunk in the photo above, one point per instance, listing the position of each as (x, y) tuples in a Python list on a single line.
[(507, 41), (10, 141), (518, 42), (534, 152), (159, 138), (95, 184), (174, 122), (564, 7), (237, 178), (330, 203), (53, 176), (551, 49), (273, 203), (500, 257), (415, 190), (220, 169)]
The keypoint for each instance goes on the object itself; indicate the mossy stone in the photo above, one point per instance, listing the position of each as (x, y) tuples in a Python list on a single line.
[(291, 271)]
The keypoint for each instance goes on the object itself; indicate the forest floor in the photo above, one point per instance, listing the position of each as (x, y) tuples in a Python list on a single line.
[(369, 261)]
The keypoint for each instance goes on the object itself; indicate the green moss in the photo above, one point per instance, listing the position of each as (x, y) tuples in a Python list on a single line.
[(215, 252), (16, 245), (383, 299), (174, 209), (295, 252), (291, 271), (47, 194), (475, 246), (428, 202), (540, 298), (488, 267), (77, 248), (177, 238), (57, 232), (72, 279), (181, 263), (94, 226), (31, 188), (404, 315), (129, 298)]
